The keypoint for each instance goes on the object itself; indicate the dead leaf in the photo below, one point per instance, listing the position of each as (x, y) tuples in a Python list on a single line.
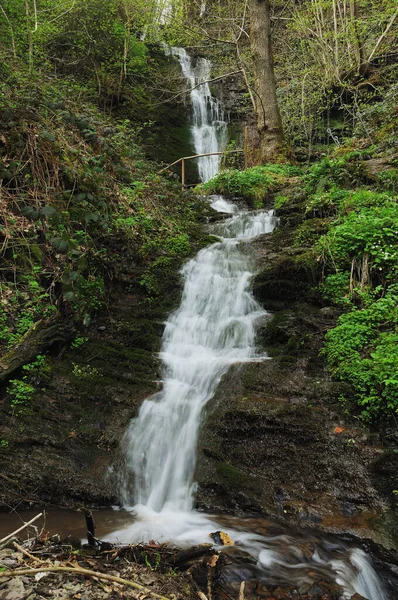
[(339, 429)]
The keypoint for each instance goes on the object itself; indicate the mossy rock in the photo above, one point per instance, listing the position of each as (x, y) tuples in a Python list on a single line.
[(235, 480)]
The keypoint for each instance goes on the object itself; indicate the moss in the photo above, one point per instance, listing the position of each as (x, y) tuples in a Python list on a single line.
[(235, 479)]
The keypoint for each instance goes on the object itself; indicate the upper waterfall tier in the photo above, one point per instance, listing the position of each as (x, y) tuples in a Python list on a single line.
[(209, 127)]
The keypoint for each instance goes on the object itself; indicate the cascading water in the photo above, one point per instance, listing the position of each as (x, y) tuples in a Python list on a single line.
[(213, 328), (209, 129)]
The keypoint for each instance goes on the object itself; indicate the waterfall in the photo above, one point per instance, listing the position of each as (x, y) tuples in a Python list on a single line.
[(212, 329), (209, 128)]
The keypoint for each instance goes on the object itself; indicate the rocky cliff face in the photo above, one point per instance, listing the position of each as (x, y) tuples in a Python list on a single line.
[(64, 441), (276, 439)]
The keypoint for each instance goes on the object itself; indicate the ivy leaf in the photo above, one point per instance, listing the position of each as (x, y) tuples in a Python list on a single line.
[(30, 213), (47, 211), (60, 245)]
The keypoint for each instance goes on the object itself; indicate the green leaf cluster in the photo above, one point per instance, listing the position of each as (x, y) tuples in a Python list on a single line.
[(252, 185), (363, 350)]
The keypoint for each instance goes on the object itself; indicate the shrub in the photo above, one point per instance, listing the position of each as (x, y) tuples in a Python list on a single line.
[(363, 350), (366, 241), (252, 184)]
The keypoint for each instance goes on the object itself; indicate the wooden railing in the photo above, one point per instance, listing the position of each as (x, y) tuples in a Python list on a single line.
[(184, 158)]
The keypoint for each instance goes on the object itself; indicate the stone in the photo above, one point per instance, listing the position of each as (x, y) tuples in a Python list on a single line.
[(14, 590)]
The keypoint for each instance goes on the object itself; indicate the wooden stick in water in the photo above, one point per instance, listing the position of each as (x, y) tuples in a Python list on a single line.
[(24, 526)]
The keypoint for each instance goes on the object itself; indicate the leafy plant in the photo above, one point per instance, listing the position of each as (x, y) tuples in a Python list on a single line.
[(251, 184), (20, 393), (363, 350), (78, 342), (85, 371)]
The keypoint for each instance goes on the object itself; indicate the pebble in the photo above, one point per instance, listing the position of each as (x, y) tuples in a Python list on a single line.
[(13, 590), (9, 562)]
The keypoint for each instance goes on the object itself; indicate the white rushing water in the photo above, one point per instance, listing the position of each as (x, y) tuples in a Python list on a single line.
[(212, 329), (209, 128)]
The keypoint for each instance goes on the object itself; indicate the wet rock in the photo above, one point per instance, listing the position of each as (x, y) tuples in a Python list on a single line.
[(271, 425), (13, 590)]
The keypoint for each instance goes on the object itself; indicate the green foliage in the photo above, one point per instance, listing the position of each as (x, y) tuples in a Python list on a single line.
[(337, 202), (336, 288), (154, 277), (36, 365), (85, 372), (309, 231), (21, 393), (368, 236), (380, 117), (363, 350), (78, 342), (281, 201), (84, 189), (253, 185), (342, 171)]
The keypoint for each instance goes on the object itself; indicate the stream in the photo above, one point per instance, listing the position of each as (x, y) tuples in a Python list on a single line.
[(213, 328)]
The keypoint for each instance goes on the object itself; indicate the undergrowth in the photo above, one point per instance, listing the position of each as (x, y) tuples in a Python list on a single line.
[(349, 224), (77, 193), (252, 185)]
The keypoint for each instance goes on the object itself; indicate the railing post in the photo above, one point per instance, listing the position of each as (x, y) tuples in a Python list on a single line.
[(183, 173), (246, 147)]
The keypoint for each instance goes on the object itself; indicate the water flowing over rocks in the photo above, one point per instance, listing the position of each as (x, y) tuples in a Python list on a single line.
[(209, 127)]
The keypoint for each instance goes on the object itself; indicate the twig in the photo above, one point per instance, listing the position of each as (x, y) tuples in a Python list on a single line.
[(207, 81), (28, 554), (24, 526), (383, 35), (80, 571), (8, 479), (242, 590)]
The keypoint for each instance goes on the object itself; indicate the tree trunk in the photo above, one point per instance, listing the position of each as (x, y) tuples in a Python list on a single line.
[(269, 122), (39, 337)]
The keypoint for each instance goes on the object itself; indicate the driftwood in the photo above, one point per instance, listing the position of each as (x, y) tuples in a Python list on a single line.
[(90, 524), (24, 526), (39, 337), (192, 554), (83, 572)]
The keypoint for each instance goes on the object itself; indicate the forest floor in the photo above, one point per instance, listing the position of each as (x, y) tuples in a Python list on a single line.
[(50, 568)]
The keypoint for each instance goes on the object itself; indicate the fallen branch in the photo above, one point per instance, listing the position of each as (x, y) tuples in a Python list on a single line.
[(39, 337), (24, 526), (192, 553), (26, 553), (242, 590), (8, 479), (80, 571)]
